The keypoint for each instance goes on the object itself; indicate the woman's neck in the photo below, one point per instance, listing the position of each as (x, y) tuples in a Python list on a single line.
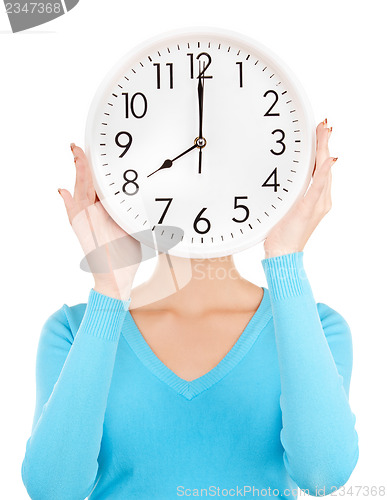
[(195, 286)]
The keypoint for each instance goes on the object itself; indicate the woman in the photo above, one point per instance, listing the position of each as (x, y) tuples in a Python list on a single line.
[(218, 388)]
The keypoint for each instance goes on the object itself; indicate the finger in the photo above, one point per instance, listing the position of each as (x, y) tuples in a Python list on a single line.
[(79, 187), (326, 194), (324, 203), (84, 230), (100, 220), (322, 137), (69, 203), (84, 187), (320, 181)]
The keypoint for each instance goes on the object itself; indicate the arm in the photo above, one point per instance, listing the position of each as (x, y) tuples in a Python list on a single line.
[(73, 378), (315, 358)]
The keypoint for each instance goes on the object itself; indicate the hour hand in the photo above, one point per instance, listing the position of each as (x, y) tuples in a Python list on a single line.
[(169, 163), (166, 164)]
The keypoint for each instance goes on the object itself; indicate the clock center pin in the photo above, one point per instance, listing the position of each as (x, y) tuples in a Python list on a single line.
[(200, 142)]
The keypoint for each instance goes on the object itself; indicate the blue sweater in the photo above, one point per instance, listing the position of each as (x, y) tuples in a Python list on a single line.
[(113, 422)]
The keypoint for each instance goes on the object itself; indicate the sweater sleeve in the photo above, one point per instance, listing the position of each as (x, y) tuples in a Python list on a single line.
[(314, 348), (73, 376)]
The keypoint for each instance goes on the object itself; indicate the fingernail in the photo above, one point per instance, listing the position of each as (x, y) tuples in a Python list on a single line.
[(334, 159), (325, 122), (75, 159), (72, 146), (59, 191)]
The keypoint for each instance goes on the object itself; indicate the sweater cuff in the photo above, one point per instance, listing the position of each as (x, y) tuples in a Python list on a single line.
[(286, 276), (104, 316)]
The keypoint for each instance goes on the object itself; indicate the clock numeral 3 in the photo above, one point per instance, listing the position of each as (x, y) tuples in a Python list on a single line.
[(130, 181), (241, 206), (279, 141), (130, 106), (275, 184), (158, 74), (201, 219), (125, 146), (274, 103)]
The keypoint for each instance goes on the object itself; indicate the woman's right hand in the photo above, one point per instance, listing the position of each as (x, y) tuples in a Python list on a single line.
[(97, 232)]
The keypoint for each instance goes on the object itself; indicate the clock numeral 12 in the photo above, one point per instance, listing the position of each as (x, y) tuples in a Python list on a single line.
[(205, 66)]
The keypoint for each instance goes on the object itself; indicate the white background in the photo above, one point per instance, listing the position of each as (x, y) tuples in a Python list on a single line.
[(48, 78)]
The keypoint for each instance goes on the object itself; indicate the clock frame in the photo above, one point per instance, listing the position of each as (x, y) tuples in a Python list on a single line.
[(108, 142)]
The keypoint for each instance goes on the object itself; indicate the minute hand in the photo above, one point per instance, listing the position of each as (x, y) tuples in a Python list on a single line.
[(200, 95)]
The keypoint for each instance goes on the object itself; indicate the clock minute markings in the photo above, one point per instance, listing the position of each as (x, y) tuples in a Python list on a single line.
[(278, 197)]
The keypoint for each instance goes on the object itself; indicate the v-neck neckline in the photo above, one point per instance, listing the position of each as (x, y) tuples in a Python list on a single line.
[(190, 389)]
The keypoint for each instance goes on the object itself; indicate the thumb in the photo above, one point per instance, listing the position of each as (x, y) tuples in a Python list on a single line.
[(68, 201)]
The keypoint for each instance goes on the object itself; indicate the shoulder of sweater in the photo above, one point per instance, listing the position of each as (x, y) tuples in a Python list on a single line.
[(61, 326), (74, 315), (338, 335), (332, 320), (336, 330)]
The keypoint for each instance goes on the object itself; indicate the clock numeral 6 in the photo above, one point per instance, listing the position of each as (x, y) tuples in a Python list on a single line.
[(130, 181), (200, 219), (125, 146), (241, 206), (196, 221), (268, 184), (130, 105)]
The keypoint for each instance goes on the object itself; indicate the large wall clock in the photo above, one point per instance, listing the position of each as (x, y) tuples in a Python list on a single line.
[(204, 136)]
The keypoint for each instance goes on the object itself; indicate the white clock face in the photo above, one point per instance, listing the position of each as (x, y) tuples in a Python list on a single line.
[(249, 159)]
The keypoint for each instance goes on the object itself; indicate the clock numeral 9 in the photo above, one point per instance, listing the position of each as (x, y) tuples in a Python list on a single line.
[(241, 206), (131, 105), (205, 66), (279, 141), (125, 146), (274, 103), (130, 181), (268, 184), (158, 74)]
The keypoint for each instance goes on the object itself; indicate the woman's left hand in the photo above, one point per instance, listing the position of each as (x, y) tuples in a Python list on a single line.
[(292, 232)]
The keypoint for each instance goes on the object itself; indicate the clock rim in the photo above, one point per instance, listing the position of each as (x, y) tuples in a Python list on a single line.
[(222, 249)]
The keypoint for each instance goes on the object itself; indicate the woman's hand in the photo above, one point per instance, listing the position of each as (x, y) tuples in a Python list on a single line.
[(292, 232), (104, 243)]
